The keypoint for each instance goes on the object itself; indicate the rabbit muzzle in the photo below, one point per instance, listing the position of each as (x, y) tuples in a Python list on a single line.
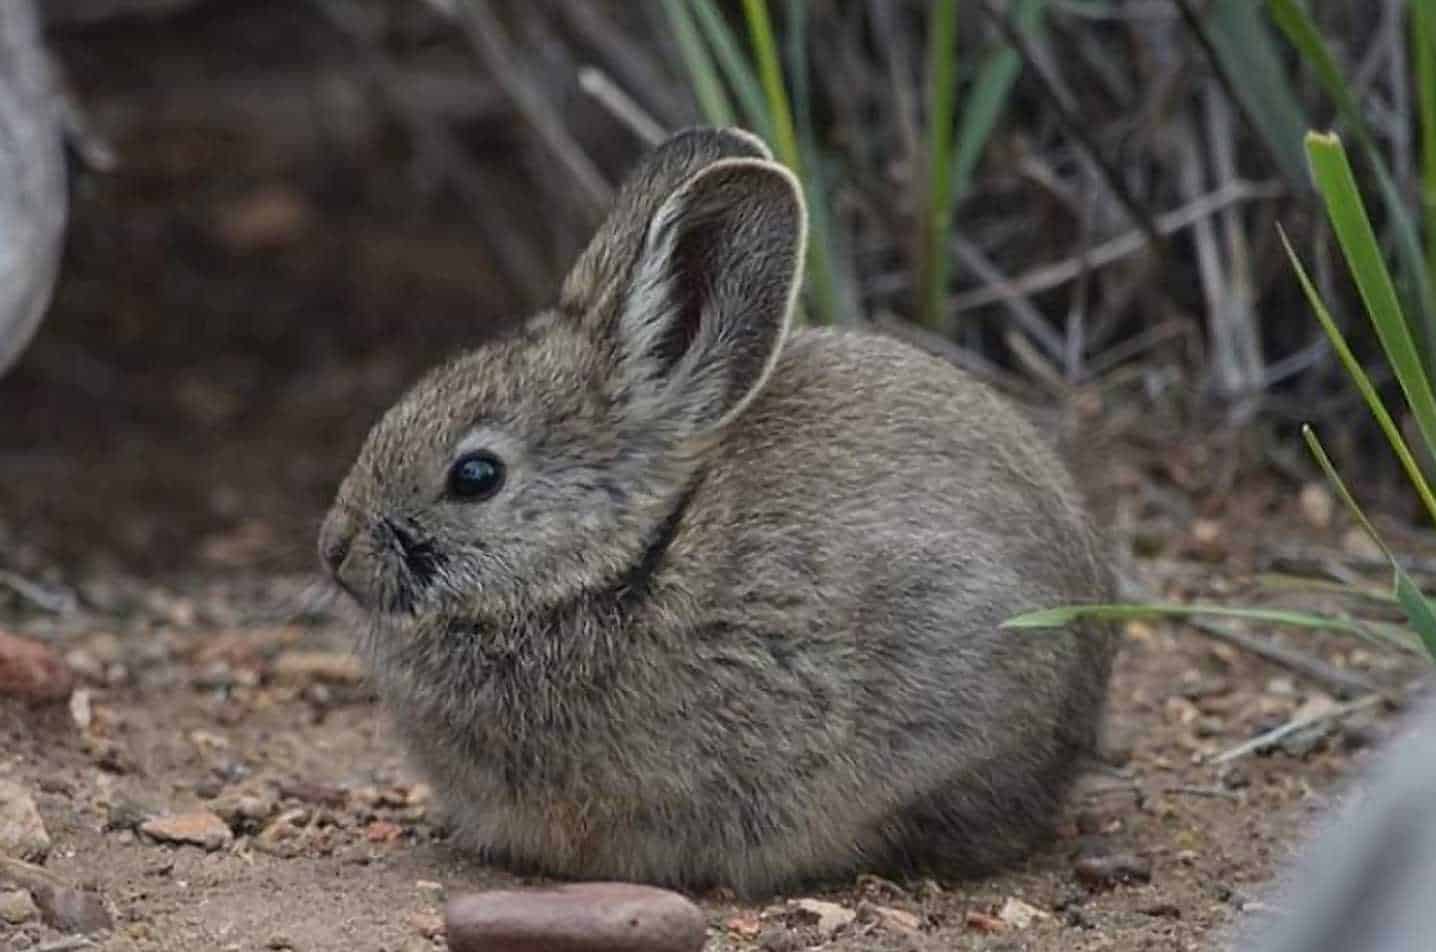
[(336, 542), (386, 565)]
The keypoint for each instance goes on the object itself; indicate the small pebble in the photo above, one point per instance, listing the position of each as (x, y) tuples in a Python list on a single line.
[(200, 828), (1205, 686), (1308, 740), (284, 836), (745, 925), (128, 813), (383, 831), (779, 939), (1234, 777), (1107, 870), (829, 917), (32, 671), (899, 921), (584, 917), (330, 666), (1210, 727), (22, 831), (317, 793), (427, 924), (17, 906), (1019, 914), (982, 922)]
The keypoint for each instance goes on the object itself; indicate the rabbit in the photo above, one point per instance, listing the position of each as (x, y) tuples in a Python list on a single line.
[(659, 592)]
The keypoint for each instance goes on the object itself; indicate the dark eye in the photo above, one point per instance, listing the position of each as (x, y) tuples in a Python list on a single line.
[(476, 477)]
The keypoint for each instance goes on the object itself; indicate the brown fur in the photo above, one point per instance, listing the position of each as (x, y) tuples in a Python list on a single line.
[(733, 618)]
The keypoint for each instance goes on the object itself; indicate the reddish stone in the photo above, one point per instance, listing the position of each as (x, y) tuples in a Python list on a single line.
[(32, 671), (585, 917)]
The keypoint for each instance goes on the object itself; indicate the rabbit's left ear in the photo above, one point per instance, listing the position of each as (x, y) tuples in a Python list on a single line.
[(708, 302)]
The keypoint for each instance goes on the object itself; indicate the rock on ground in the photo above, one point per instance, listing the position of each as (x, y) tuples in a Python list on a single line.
[(33, 672), (22, 831), (17, 906), (200, 828), (585, 917)]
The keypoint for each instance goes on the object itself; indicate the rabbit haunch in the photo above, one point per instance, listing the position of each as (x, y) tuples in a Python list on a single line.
[(733, 616)]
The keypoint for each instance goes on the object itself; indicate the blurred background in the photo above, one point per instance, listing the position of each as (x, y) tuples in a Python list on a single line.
[(281, 212)]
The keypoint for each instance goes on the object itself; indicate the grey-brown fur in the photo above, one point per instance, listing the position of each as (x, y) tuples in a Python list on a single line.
[(733, 618)]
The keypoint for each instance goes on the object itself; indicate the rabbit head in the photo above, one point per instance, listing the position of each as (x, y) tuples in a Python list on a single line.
[(542, 464)]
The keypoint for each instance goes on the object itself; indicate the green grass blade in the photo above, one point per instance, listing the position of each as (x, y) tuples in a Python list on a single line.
[(1363, 383), (736, 68), (1302, 31), (770, 76), (785, 141), (796, 36), (1337, 483), (1417, 608), (1363, 256), (707, 85), (937, 203), (820, 218), (986, 99), (1302, 583), (1135, 611), (1067, 614), (1420, 287), (1242, 41), (1423, 52)]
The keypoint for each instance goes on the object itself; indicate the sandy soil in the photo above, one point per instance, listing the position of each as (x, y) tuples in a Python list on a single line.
[(201, 700)]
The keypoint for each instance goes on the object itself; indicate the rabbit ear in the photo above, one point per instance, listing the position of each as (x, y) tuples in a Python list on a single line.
[(707, 305), (595, 280)]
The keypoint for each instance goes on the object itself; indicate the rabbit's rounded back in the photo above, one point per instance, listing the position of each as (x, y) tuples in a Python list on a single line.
[(732, 613)]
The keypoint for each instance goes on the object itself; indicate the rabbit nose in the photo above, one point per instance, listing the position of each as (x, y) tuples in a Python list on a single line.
[(336, 537)]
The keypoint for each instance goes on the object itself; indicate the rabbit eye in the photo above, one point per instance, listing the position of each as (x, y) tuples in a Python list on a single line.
[(476, 477)]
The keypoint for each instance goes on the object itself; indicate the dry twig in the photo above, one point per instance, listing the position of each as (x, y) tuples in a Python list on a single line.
[(1277, 734), (490, 40)]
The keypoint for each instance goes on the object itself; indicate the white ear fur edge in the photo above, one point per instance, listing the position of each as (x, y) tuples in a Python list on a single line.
[(650, 280), (795, 281), (753, 139)]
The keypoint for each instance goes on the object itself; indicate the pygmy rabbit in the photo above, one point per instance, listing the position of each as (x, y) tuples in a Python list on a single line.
[(660, 593)]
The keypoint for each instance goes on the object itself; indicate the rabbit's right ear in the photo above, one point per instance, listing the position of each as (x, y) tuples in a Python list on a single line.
[(595, 282), (706, 306)]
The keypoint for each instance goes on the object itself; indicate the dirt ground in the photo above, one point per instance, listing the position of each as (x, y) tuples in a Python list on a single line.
[(236, 694), (226, 330)]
